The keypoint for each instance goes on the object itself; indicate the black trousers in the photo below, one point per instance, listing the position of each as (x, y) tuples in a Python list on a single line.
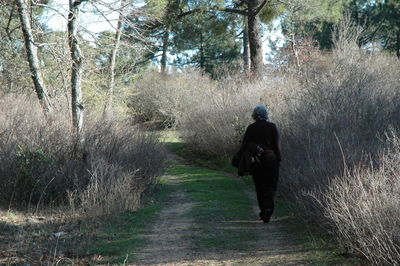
[(266, 181)]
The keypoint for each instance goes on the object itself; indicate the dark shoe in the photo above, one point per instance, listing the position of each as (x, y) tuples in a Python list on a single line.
[(266, 216), (266, 219)]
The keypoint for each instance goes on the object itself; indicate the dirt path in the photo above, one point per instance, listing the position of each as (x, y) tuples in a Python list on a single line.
[(275, 244), (166, 243), (170, 241)]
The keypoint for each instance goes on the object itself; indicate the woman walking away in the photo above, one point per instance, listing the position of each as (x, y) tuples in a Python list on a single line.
[(261, 144)]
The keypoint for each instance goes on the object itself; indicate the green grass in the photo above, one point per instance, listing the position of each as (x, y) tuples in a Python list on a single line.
[(320, 250), (220, 201), (221, 215), (220, 163), (122, 235)]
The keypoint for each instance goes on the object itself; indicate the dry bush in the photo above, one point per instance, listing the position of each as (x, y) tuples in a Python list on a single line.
[(123, 163), (211, 115), (363, 207), (343, 105), (32, 152), (216, 123), (110, 190), (164, 98), (38, 164), (346, 100)]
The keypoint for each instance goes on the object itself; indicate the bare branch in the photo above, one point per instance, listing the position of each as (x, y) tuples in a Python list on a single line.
[(50, 7), (260, 7), (234, 10), (9, 22), (78, 2)]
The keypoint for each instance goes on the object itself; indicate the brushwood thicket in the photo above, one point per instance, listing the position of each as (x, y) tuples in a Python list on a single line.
[(338, 116)]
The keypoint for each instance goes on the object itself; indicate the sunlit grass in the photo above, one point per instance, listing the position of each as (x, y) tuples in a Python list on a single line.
[(220, 201)]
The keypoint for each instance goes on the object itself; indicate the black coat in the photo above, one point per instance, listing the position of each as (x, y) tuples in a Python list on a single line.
[(263, 134)]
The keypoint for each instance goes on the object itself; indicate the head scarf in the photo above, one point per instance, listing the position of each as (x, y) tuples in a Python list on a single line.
[(260, 113)]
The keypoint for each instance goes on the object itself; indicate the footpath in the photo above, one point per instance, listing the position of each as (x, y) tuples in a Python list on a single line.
[(201, 216)]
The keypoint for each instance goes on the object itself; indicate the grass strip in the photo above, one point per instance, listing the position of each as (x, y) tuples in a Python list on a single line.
[(220, 163), (320, 250), (120, 237), (220, 202)]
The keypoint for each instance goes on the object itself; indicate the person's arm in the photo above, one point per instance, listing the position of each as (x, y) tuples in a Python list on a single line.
[(276, 144), (245, 140)]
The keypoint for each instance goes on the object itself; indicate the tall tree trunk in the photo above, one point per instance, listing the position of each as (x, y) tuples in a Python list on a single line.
[(254, 26), (113, 56), (76, 71), (246, 52), (164, 52), (32, 55)]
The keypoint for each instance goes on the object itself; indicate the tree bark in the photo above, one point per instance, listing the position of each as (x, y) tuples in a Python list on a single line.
[(76, 71), (253, 22), (113, 56), (32, 56), (164, 52), (246, 52)]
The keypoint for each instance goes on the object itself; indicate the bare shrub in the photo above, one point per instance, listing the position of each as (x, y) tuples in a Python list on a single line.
[(122, 163), (164, 98), (110, 190), (341, 109), (363, 207), (120, 143), (211, 115), (38, 164), (347, 99), (346, 36), (216, 123), (213, 121), (32, 151)]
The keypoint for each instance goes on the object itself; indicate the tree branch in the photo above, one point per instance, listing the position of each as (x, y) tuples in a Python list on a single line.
[(50, 7), (260, 7), (214, 8), (211, 8), (184, 14), (78, 2), (236, 11), (9, 23)]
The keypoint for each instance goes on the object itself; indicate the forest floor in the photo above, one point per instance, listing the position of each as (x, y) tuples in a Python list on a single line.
[(195, 216)]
